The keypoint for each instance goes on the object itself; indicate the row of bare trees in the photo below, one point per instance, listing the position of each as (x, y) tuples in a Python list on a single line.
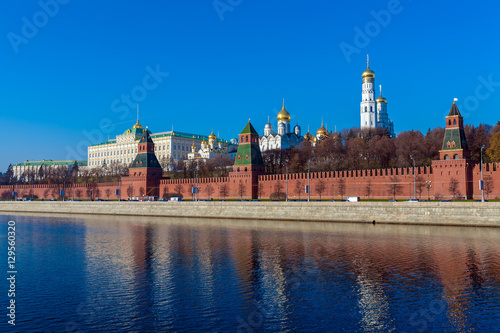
[(355, 149)]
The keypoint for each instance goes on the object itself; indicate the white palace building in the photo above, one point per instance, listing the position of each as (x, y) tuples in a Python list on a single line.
[(170, 147)]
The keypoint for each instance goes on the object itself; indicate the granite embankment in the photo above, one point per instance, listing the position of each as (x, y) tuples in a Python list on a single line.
[(432, 213)]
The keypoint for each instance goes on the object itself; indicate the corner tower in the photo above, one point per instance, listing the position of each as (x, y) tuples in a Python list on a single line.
[(368, 109)]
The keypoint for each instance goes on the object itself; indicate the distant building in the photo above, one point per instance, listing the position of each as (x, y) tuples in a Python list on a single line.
[(373, 111), (284, 138), (212, 149), (38, 169), (169, 147)]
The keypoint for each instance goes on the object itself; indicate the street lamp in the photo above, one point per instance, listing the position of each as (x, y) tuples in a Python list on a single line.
[(428, 184), (414, 180), (309, 179), (482, 176), (286, 183)]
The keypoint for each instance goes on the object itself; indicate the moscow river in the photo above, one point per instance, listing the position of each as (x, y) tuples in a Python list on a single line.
[(124, 274)]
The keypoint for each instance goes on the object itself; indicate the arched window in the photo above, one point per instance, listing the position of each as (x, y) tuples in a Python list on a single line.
[(454, 121), (449, 122), (366, 109), (455, 157), (446, 157)]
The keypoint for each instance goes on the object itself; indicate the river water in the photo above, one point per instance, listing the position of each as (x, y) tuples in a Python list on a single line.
[(124, 274)]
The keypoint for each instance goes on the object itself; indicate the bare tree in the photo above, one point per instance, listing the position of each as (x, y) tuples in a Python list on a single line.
[(368, 188), (260, 190), (278, 188), (241, 189), (179, 189), (224, 191), (341, 186), (142, 191), (453, 188), (78, 193), (394, 187), (320, 187), (210, 190), (420, 186), (108, 193), (488, 185), (298, 187)]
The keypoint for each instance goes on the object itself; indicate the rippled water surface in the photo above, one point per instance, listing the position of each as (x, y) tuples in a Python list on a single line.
[(109, 274)]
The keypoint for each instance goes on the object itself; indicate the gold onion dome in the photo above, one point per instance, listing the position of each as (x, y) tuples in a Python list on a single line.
[(308, 136), (212, 136), (368, 73), (193, 146), (322, 130), (381, 99), (283, 115), (137, 125)]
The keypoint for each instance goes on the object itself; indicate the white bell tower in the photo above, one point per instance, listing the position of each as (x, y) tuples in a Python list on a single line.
[(368, 109)]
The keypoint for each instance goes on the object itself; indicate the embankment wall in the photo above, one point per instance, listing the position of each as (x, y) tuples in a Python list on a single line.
[(432, 213)]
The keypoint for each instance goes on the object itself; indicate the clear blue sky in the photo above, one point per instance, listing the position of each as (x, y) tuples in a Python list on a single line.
[(227, 65)]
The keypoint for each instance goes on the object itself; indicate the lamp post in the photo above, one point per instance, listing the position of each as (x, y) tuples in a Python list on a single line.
[(482, 176), (286, 199), (414, 180), (428, 184), (309, 179)]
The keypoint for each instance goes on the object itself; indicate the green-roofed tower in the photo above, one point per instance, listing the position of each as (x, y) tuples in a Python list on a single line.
[(248, 165), (454, 142), (248, 148)]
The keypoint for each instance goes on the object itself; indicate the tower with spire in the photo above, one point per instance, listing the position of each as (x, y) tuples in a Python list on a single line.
[(373, 111)]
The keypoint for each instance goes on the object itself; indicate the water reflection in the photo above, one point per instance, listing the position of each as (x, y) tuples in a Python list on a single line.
[(158, 275)]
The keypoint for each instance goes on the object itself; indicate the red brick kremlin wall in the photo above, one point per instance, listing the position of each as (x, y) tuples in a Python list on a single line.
[(356, 182)]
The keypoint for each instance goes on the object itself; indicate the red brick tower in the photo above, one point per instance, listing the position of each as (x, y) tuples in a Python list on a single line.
[(248, 165), (453, 171), (145, 171)]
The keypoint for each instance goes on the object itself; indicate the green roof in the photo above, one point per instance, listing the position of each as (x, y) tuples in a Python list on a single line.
[(249, 129), (51, 162), (248, 154), (456, 135), (146, 160)]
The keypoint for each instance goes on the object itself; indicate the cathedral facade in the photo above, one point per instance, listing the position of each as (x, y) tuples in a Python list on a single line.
[(373, 110), (284, 138)]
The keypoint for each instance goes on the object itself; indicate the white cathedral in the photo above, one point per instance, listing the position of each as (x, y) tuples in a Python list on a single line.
[(284, 138), (373, 111)]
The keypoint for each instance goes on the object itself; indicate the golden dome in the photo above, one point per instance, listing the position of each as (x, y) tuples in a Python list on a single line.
[(137, 125), (283, 115), (381, 99), (368, 73), (308, 136), (322, 130), (193, 147), (212, 136)]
